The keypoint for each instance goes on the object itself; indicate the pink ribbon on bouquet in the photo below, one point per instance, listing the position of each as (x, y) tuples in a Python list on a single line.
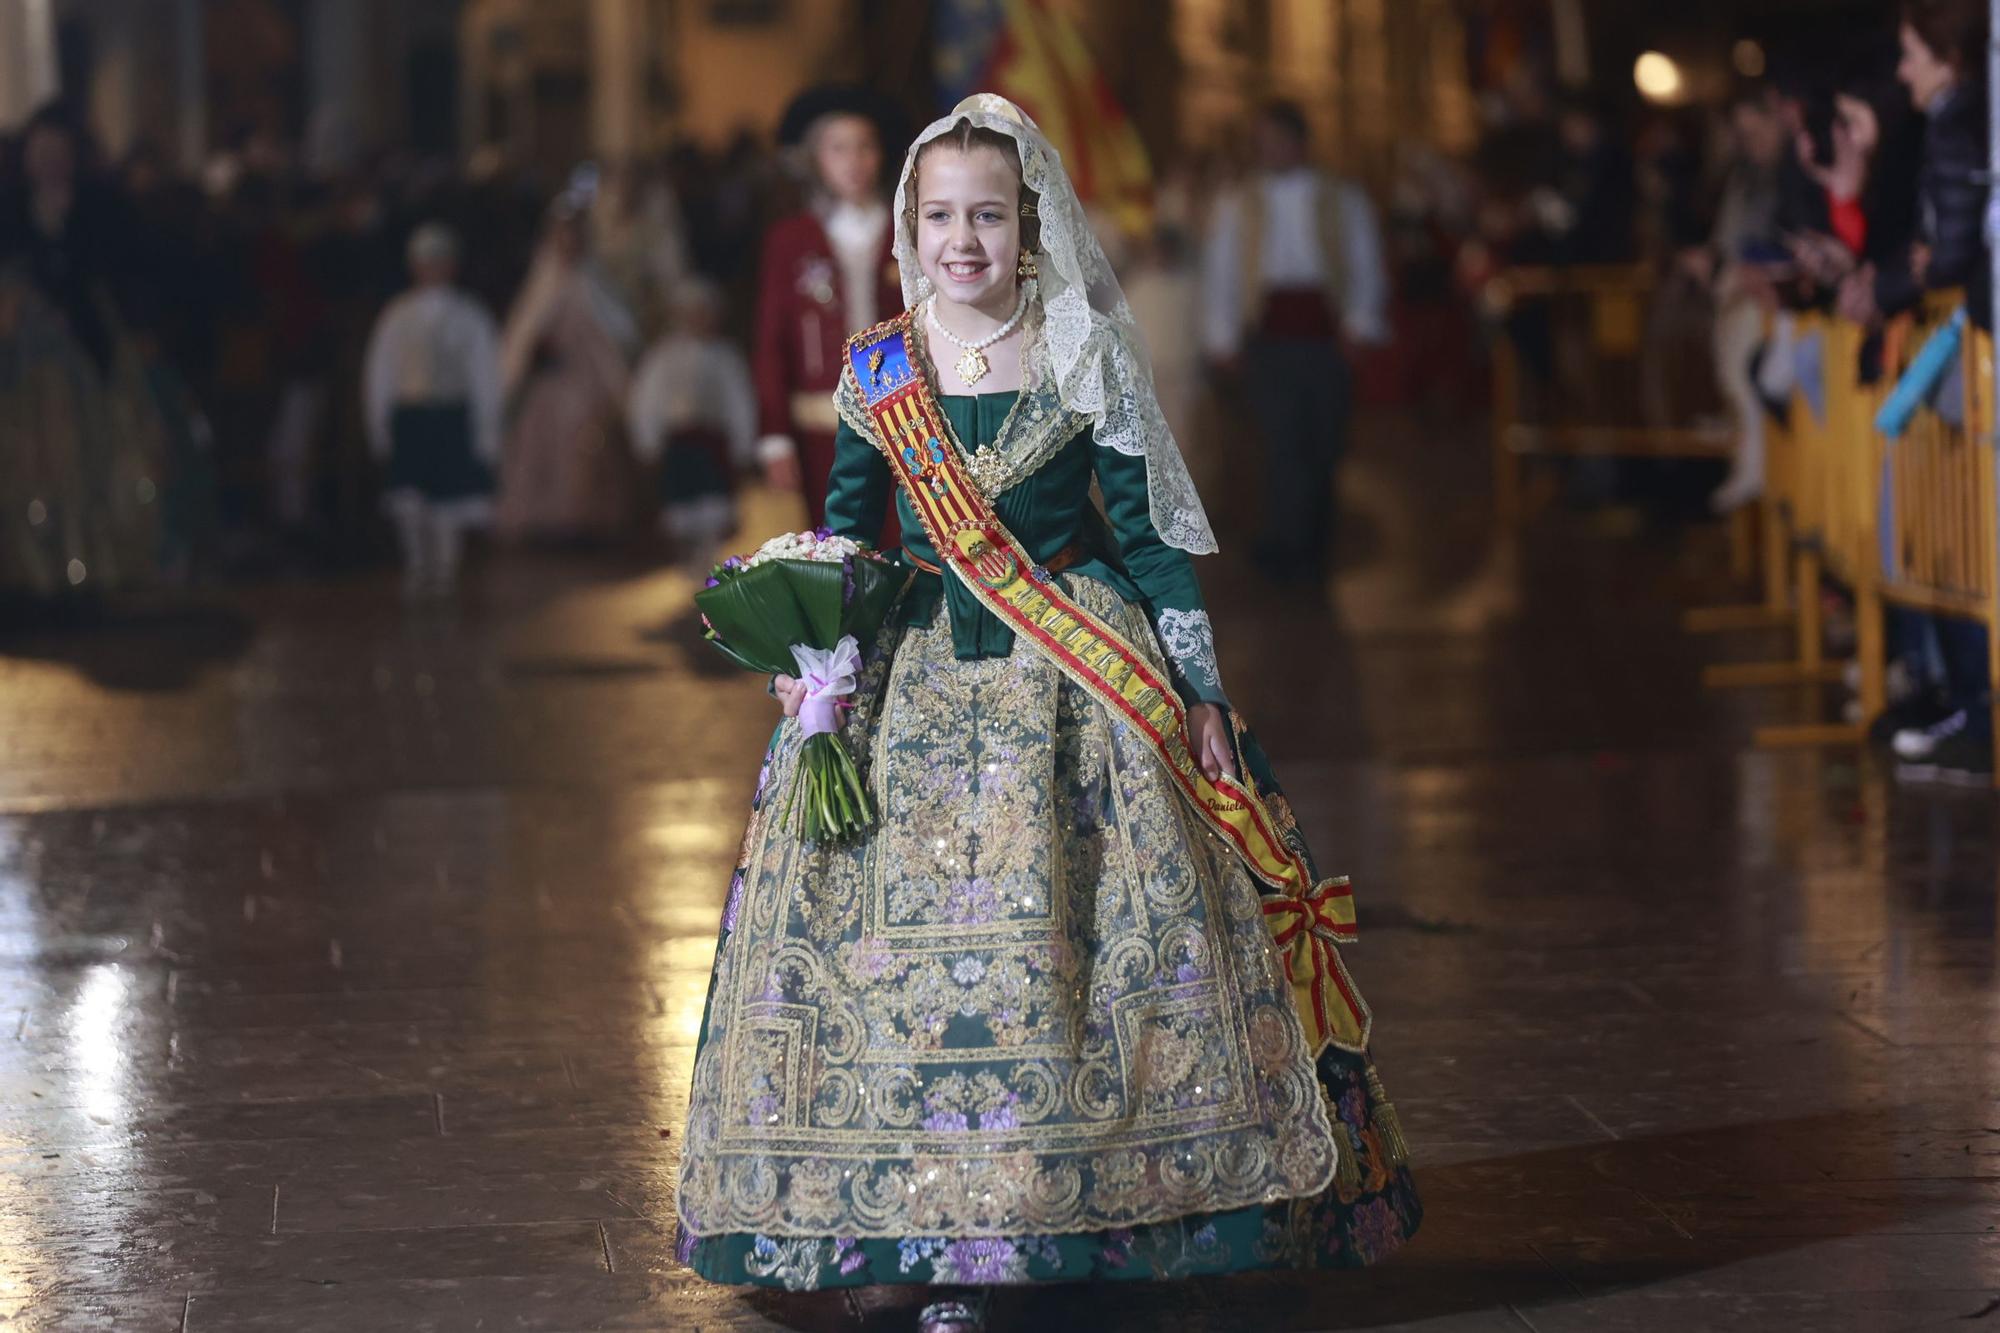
[(829, 675)]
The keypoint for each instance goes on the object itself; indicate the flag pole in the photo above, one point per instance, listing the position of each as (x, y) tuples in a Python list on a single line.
[(1993, 188), (1993, 178), (1993, 152)]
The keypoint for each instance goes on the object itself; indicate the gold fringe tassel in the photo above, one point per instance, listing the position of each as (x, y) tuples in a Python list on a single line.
[(1386, 1124), (1346, 1164), (1346, 1167)]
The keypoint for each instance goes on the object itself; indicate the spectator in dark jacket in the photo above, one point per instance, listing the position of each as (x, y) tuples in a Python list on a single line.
[(1889, 201), (1943, 43)]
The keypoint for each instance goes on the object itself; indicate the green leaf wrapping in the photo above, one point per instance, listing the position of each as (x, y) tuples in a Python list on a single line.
[(759, 614)]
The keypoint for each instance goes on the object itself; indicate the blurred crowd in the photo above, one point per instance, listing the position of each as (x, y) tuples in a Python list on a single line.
[(182, 358), (1850, 179), (256, 369), (1847, 177)]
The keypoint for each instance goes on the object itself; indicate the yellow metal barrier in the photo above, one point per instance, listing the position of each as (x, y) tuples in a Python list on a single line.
[(1941, 553), (1831, 481), (1783, 515), (1596, 319), (1833, 493), (1940, 556), (1934, 488)]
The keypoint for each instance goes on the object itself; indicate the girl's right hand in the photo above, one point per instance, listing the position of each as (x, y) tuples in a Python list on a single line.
[(791, 693)]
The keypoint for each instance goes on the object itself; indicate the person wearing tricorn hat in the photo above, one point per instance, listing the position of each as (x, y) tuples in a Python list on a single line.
[(827, 272)]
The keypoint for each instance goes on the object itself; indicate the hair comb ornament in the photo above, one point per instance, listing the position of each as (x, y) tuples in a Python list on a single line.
[(992, 104)]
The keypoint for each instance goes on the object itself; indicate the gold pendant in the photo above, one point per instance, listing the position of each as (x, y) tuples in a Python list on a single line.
[(972, 367)]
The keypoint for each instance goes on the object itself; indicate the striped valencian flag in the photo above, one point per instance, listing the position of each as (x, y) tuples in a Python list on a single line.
[(1030, 52)]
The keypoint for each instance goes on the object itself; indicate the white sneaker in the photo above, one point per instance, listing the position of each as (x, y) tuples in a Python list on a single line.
[(1915, 743), (1745, 481), (1741, 487)]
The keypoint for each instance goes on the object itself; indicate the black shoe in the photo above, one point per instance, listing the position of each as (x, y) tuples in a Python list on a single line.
[(1961, 760), (1922, 710)]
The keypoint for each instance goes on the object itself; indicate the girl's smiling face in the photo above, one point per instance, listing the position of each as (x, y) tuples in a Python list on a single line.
[(969, 226)]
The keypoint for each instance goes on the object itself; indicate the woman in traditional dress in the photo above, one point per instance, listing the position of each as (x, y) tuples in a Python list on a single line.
[(563, 360), (82, 437), (1039, 1024), (639, 241)]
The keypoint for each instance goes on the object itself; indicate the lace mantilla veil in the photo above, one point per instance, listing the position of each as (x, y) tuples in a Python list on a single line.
[(1083, 336)]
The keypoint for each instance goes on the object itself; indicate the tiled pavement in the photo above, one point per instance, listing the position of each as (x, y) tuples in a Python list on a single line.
[(350, 960)]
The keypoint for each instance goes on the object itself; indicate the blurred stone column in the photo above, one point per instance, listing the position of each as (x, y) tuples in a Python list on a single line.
[(1219, 44), (1368, 118), (338, 91), (28, 74), (618, 57), (122, 92), (1306, 49), (191, 83), (1571, 29)]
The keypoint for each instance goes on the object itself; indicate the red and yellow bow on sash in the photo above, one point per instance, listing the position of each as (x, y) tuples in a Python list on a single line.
[(1307, 915), (1307, 928)]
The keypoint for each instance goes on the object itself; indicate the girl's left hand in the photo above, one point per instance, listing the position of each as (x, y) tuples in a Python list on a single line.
[(1208, 738)]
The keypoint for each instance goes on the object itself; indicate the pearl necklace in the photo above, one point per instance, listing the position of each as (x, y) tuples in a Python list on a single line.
[(973, 366)]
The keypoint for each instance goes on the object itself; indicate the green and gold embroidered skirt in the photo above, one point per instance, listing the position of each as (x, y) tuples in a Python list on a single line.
[(1031, 1028)]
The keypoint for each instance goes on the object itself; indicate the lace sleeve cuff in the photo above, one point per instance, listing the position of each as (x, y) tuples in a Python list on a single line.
[(1189, 639)]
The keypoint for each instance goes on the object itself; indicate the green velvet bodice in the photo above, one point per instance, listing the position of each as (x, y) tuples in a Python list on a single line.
[(1048, 511)]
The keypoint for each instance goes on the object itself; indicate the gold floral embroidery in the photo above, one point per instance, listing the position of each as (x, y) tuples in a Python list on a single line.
[(794, 1263), (1037, 999)]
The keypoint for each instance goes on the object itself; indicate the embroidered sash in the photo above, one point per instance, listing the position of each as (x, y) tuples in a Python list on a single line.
[(1307, 917)]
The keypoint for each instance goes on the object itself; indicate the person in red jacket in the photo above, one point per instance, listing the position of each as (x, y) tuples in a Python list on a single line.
[(827, 272)]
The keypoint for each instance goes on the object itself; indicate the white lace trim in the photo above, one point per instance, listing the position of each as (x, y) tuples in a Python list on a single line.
[(1092, 345), (1189, 639)]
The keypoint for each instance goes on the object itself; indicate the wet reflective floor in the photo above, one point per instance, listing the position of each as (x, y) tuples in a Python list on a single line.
[(351, 959)]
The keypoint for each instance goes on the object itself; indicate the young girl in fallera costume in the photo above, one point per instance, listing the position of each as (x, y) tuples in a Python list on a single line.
[(1073, 1009)]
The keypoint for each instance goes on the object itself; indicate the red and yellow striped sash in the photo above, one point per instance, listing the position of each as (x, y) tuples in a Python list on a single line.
[(1308, 917)]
